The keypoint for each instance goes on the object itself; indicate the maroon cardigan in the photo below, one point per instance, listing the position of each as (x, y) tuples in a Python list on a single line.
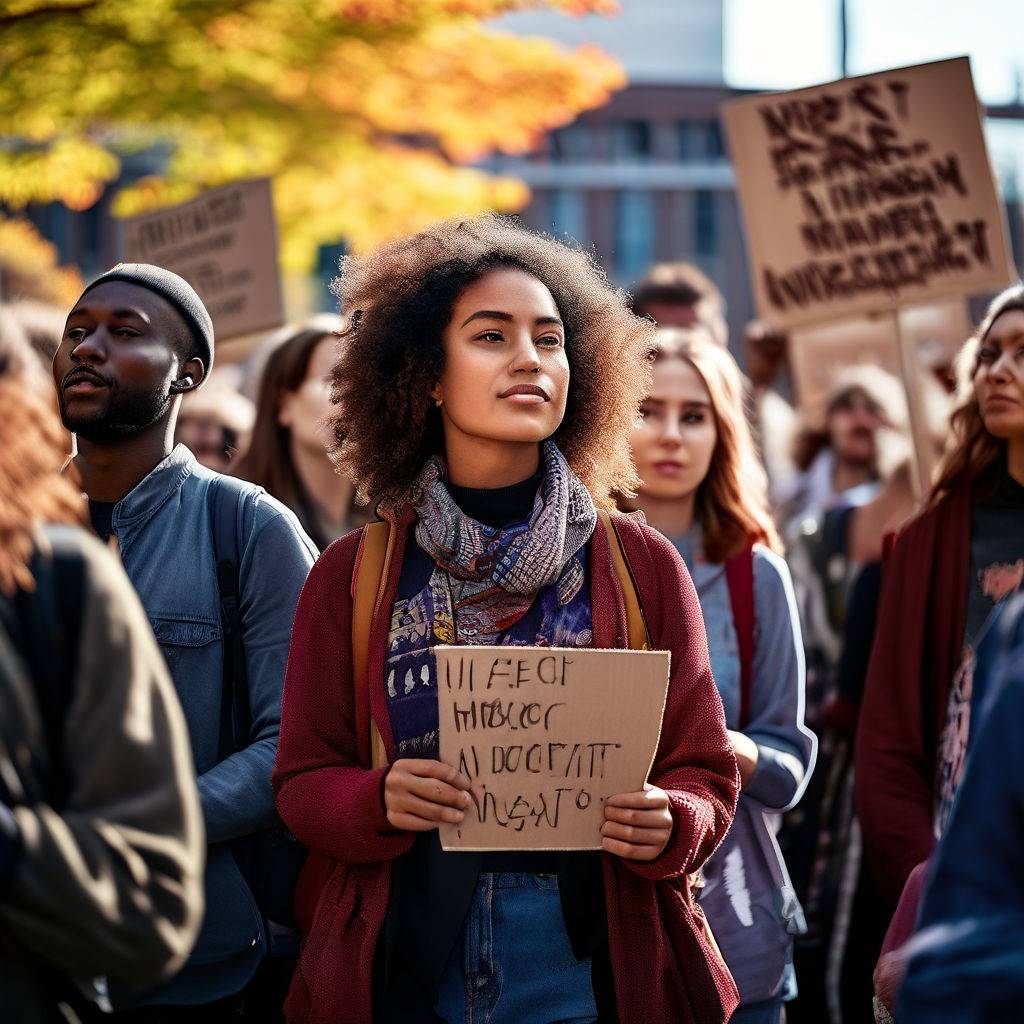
[(918, 645), (331, 800)]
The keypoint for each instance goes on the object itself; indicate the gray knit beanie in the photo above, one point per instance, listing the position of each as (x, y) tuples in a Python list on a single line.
[(178, 292)]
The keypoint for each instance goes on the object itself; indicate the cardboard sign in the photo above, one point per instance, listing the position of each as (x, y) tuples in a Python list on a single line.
[(225, 245), (545, 735), (818, 354), (868, 193)]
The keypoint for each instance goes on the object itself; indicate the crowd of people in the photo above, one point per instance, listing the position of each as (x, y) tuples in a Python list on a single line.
[(220, 773)]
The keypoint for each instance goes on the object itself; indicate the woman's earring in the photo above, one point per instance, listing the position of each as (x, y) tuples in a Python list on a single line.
[(439, 402)]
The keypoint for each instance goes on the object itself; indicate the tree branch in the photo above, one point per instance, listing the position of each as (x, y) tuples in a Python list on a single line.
[(7, 20)]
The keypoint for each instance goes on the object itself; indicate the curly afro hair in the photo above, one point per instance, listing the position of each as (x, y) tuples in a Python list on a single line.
[(398, 303)]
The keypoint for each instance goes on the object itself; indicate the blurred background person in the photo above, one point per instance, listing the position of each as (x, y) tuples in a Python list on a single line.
[(773, 421), (215, 423), (703, 488), (946, 574), (42, 324), (288, 453), (101, 837), (681, 295), (822, 839), (839, 450)]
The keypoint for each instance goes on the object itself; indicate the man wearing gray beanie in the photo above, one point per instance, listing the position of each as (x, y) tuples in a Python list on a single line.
[(218, 565)]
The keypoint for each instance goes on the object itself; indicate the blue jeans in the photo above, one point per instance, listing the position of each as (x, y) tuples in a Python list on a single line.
[(768, 1012), (514, 963)]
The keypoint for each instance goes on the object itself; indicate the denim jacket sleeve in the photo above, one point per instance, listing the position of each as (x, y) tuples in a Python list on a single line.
[(236, 793), (786, 747)]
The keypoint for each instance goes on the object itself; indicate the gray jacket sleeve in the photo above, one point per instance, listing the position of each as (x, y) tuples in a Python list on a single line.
[(276, 559), (786, 747), (112, 884)]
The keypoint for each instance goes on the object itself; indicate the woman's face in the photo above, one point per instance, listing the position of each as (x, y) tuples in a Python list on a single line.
[(675, 436), (506, 375), (305, 411), (853, 426), (999, 377)]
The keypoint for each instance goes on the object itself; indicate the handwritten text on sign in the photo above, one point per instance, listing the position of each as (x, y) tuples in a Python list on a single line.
[(867, 193), (545, 735)]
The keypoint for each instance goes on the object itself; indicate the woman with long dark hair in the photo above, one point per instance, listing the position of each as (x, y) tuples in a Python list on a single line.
[(288, 452), (702, 486), (486, 388), (948, 570)]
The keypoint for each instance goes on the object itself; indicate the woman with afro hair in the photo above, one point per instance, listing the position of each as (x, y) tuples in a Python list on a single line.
[(487, 385)]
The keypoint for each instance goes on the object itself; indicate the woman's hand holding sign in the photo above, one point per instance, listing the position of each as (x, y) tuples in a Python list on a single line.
[(637, 826), (420, 794)]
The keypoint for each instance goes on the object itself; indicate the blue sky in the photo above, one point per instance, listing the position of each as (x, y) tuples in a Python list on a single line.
[(786, 44)]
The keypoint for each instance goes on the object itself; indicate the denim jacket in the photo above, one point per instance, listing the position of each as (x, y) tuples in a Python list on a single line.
[(165, 537), (747, 896)]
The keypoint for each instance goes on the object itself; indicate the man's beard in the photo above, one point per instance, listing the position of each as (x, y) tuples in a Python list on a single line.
[(125, 415)]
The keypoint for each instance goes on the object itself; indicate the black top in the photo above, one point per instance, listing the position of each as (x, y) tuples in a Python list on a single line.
[(101, 513), (498, 507), (997, 548)]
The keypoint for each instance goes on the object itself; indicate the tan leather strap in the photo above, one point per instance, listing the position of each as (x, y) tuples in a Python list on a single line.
[(636, 627), (369, 585)]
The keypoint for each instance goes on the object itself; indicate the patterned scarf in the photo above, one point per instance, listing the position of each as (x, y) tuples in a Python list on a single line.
[(485, 579)]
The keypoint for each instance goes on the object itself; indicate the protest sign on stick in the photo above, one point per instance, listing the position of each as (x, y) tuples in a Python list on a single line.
[(224, 243), (868, 193), (545, 735)]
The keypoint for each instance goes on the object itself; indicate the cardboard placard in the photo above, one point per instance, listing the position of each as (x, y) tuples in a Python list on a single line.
[(819, 353), (224, 243), (868, 193), (545, 735)]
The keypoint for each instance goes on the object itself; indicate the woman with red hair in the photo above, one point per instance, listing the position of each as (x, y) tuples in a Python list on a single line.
[(702, 486)]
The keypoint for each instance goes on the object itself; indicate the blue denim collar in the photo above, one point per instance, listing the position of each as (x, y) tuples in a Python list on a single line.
[(155, 488)]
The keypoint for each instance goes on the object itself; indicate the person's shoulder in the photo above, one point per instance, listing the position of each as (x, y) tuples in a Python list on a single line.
[(72, 550), (637, 536), (68, 544), (770, 567), (259, 508)]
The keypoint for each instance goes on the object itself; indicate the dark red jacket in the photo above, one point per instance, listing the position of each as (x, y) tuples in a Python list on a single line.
[(918, 644), (331, 800)]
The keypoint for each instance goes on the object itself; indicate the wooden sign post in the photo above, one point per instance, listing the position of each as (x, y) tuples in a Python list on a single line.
[(545, 735)]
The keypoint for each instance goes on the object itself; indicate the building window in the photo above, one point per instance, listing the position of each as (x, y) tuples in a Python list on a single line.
[(634, 233), (571, 144), (631, 140), (714, 142), (704, 226), (699, 140), (567, 214)]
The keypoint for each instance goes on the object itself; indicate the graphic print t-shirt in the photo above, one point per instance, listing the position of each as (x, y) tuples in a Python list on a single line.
[(997, 568)]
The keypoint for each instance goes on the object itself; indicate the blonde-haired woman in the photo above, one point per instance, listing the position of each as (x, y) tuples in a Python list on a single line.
[(704, 488), (946, 573)]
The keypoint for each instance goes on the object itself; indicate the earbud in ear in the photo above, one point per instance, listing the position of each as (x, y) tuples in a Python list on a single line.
[(183, 384)]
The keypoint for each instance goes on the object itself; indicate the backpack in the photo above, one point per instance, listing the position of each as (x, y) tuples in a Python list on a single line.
[(270, 861)]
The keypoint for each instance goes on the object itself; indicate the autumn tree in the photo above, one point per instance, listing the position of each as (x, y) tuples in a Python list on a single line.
[(364, 112)]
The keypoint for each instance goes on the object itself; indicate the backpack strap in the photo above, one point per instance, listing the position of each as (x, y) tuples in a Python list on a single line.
[(224, 502), (638, 634), (739, 575), (368, 585)]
